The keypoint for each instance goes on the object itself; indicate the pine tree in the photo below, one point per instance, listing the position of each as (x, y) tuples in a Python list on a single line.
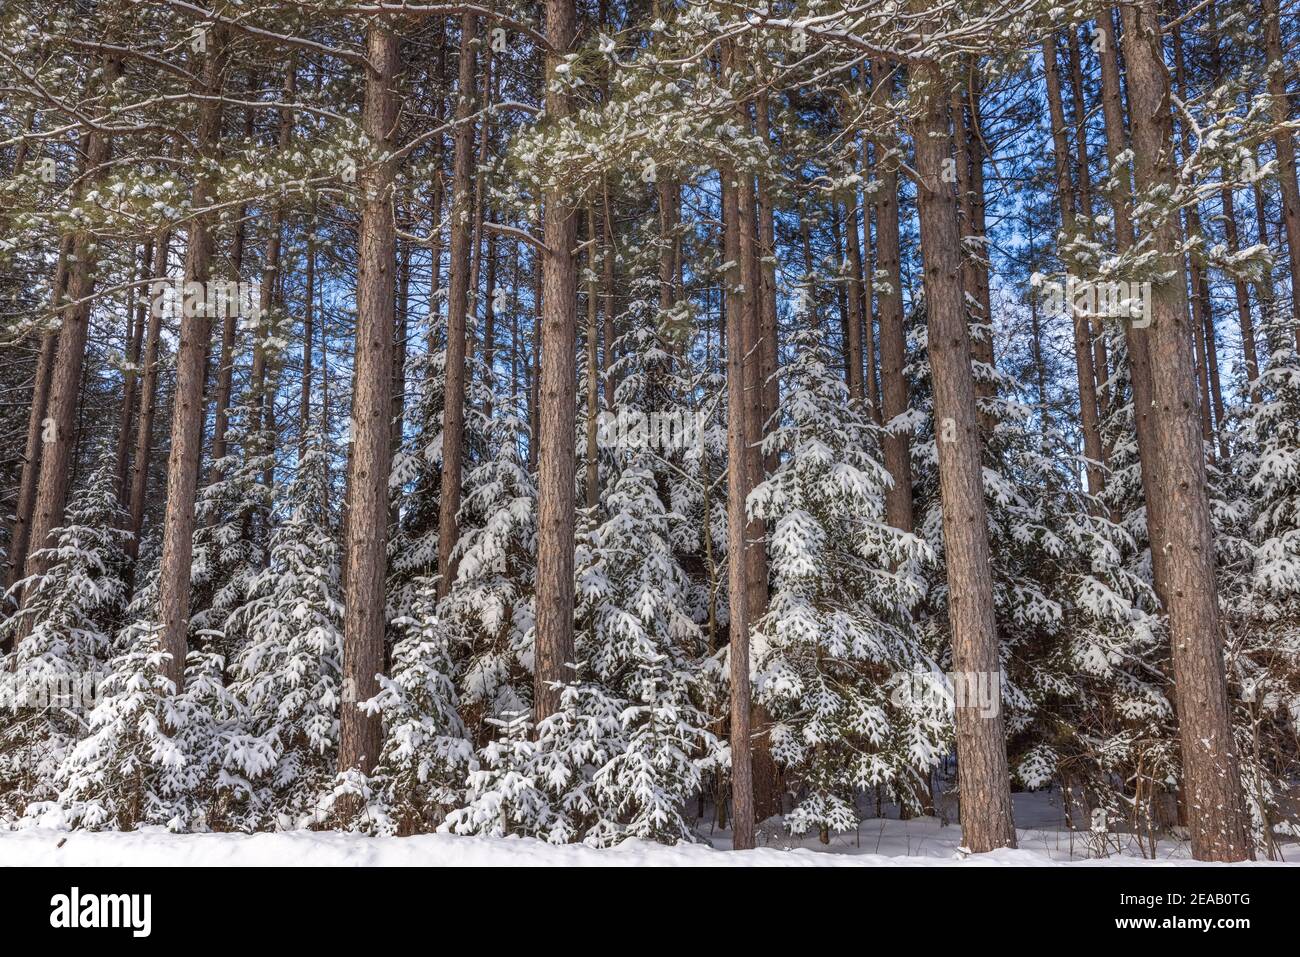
[(288, 673), (638, 641), (49, 680), (840, 633)]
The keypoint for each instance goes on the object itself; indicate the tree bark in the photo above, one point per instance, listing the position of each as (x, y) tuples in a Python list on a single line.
[(1284, 141), (974, 278), (1211, 779), (981, 742), (308, 335), (895, 398), (19, 532), (453, 412), (768, 357), (366, 539), (1138, 348), (742, 781), (607, 305), (1100, 362), (137, 309), (557, 407), (188, 408), (593, 375), (856, 380), (1083, 355)]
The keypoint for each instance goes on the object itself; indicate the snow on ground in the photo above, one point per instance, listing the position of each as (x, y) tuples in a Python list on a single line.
[(1043, 840)]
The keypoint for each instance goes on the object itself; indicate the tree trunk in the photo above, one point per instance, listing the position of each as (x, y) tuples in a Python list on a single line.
[(401, 325), (1100, 363), (308, 334), (742, 782), (974, 281), (753, 348), (366, 539), (1138, 348), (137, 309), (1211, 780), (187, 408), (19, 532), (593, 375), (148, 399), (768, 357), (557, 407), (1284, 141), (226, 364), (895, 398), (1083, 355), (607, 310), (453, 412), (981, 742), (58, 428), (856, 380)]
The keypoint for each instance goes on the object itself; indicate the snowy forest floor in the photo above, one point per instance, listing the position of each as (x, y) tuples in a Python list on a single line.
[(1044, 840)]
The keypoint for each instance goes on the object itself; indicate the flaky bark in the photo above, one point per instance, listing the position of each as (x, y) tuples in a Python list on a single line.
[(1137, 345), (742, 781)]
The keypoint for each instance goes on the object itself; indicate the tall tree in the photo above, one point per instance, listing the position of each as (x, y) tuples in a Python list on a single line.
[(191, 370), (58, 434), (366, 541), (1211, 779), (557, 399), (1284, 141), (981, 741), (453, 412), (894, 388), (1089, 415)]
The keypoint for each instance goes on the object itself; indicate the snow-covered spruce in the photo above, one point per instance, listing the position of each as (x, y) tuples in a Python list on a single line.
[(839, 638), (49, 681), (286, 677)]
